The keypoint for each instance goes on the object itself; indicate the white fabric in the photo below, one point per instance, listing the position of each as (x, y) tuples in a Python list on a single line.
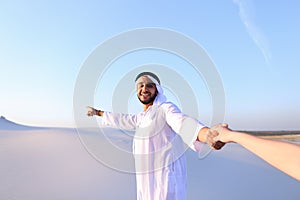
[(158, 148)]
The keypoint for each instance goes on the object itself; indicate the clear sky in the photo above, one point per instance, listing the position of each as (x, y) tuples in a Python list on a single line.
[(253, 44)]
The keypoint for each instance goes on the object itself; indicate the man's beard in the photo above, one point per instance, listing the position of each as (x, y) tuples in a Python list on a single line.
[(150, 100)]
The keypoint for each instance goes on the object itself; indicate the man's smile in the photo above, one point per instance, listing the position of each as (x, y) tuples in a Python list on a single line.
[(145, 95)]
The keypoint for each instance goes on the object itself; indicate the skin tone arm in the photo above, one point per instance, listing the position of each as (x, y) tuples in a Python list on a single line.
[(282, 155)]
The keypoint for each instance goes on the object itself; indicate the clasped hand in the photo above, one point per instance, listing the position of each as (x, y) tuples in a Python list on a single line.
[(216, 136)]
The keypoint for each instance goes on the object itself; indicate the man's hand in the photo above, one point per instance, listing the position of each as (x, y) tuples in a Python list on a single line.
[(91, 111), (215, 137)]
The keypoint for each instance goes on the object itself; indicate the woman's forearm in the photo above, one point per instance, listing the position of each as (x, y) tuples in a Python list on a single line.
[(282, 155)]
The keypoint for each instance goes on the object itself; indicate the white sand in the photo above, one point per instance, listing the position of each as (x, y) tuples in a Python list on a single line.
[(53, 164)]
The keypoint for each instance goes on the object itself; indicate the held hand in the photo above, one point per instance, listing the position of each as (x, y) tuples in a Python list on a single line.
[(216, 136), (223, 132)]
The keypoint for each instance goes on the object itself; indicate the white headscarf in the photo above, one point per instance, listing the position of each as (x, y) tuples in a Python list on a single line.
[(160, 98)]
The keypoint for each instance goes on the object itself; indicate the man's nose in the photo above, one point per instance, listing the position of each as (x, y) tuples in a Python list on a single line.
[(145, 89)]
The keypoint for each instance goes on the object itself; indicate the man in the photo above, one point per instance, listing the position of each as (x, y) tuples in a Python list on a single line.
[(161, 131)]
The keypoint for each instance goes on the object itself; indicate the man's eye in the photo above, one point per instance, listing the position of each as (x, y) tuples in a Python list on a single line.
[(150, 86)]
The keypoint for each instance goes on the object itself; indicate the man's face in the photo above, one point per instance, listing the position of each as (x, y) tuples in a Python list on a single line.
[(146, 90)]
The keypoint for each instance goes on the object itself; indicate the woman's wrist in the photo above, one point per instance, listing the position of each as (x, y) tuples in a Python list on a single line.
[(235, 136)]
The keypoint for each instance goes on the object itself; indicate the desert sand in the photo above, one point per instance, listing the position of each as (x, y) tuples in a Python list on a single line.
[(53, 163)]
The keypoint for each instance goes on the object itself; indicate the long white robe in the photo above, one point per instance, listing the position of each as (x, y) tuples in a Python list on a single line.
[(162, 134)]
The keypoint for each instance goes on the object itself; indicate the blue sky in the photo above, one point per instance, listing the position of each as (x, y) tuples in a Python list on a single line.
[(253, 44)]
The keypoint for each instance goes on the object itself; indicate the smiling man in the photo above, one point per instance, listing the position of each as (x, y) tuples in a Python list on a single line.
[(162, 134)]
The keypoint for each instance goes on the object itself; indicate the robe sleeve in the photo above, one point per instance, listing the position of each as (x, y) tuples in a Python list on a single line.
[(119, 120), (185, 126)]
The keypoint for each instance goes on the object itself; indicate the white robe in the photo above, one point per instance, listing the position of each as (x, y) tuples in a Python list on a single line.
[(162, 134)]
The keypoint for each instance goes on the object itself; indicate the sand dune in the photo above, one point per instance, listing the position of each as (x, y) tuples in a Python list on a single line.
[(6, 124), (54, 164)]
